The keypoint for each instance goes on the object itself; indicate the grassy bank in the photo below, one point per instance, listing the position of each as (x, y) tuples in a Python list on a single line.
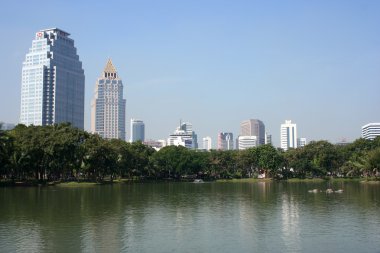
[(297, 180), (243, 180), (77, 184), (331, 179), (73, 184)]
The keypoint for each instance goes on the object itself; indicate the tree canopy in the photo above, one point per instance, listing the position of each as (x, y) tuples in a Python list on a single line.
[(62, 152)]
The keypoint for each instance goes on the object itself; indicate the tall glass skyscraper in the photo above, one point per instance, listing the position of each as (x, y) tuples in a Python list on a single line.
[(108, 105), (52, 89), (137, 130)]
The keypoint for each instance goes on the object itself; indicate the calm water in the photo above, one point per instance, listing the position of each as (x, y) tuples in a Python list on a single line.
[(187, 217)]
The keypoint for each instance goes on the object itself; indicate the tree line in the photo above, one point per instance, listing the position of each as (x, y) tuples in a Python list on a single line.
[(62, 152)]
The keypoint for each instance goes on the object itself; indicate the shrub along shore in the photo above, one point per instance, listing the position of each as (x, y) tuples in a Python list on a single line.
[(60, 153)]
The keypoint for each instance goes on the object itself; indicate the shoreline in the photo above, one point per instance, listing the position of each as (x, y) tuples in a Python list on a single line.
[(9, 183)]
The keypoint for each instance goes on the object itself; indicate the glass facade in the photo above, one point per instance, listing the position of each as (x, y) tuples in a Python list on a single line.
[(52, 89), (137, 130)]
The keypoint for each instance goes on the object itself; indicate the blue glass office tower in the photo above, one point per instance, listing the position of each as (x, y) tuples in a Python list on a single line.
[(137, 130), (52, 89)]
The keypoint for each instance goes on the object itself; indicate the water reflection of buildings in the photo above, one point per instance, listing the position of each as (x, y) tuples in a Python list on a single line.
[(22, 235), (291, 233), (102, 235)]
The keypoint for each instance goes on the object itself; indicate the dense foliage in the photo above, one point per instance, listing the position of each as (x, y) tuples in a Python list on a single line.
[(61, 152)]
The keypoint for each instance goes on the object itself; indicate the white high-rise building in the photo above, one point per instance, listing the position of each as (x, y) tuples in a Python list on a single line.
[(247, 142), (137, 130), (371, 131), (207, 143), (52, 82), (108, 105), (288, 135)]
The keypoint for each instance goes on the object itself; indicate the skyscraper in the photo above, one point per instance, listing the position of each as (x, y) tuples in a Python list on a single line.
[(253, 127), (288, 135), (371, 131), (108, 105), (52, 83), (225, 141), (137, 130)]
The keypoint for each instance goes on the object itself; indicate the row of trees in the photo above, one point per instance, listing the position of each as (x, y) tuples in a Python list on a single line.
[(61, 152)]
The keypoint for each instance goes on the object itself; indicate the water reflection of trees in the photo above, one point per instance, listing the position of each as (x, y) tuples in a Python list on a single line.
[(118, 217)]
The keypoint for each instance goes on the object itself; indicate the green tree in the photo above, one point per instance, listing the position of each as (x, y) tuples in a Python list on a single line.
[(373, 167), (248, 161), (140, 159), (6, 150), (270, 160), (171, 161), (100, 159)]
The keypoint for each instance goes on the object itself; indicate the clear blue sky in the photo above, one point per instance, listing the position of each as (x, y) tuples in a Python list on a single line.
[(216, 63)]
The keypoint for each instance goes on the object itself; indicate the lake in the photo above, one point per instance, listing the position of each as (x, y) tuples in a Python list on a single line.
[(189, 217)]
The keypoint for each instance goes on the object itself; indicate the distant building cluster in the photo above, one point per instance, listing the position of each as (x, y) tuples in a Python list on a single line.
[(184, 136), (52, 91), (6, 126)]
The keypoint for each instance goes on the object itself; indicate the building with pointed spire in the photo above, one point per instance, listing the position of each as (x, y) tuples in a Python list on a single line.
[(52, 82), (108, 105)]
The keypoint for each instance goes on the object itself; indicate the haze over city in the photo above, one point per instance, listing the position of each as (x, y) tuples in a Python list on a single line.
[(216, 63)]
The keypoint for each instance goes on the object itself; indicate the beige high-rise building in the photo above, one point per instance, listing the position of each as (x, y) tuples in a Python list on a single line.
[(253, 127), (108, 105)]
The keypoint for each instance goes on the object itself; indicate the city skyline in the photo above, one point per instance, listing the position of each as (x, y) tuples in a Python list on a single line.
[(309, 62)]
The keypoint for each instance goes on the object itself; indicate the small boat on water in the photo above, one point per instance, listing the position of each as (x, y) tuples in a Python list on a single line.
[(198, 181), (339, 191), (313, 191)]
